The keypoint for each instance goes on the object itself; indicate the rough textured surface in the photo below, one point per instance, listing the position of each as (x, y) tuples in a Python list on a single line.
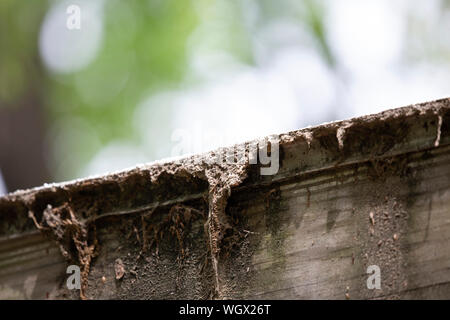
[(349, 194)]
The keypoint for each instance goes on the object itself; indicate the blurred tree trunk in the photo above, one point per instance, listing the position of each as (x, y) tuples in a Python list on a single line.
[(22, 145), (22, 116)]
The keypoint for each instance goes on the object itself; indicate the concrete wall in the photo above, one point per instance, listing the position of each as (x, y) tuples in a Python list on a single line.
[(368, 191)]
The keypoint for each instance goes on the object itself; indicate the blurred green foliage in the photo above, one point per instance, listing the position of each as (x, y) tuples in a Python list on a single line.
[(143, 51), (20, 68)]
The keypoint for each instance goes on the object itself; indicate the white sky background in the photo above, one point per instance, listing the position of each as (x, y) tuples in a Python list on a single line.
[(369, 40), (291, 85)]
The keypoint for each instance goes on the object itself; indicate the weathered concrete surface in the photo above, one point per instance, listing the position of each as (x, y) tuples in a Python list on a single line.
[(373, 190)]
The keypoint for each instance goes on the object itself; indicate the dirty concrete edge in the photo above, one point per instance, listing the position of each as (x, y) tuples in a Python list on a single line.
[(435, 107)]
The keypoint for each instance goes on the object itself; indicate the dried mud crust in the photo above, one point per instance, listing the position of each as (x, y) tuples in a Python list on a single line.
[(382, 232), (176, 263), (72, 236), (386, 126), (73, 231)]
